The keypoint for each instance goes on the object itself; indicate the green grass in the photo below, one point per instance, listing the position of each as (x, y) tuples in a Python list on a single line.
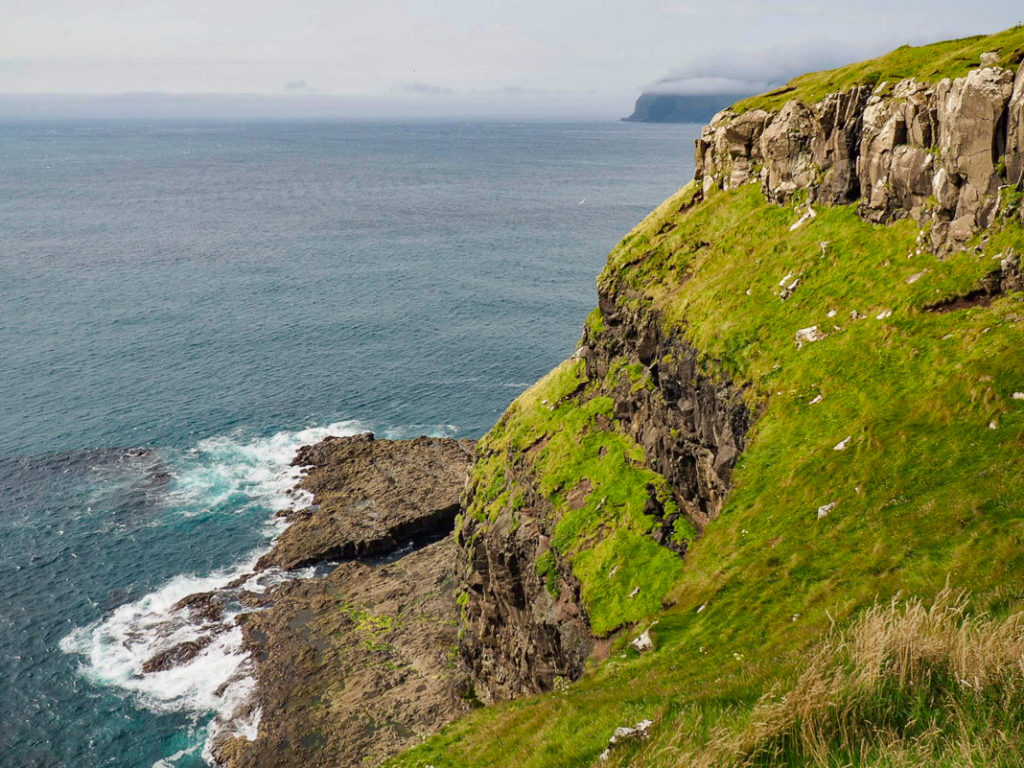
[(928, 491), (925, 490), (927, 63), (561, 436)]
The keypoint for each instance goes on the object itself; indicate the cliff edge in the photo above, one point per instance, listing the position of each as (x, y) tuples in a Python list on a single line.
[(801, 396)]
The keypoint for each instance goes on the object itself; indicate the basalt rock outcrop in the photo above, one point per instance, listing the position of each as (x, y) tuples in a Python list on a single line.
[(371, 497), (518, 636), (358, 664), (939, 153), (355, 666), (692, 426)]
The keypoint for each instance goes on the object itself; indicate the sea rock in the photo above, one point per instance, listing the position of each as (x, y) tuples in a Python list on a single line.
[(357, 665), (372, 497), (354, 667)]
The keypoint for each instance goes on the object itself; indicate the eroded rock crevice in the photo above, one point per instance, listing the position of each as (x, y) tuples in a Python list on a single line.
[(1008, 277), (522, 627), (692, 426)]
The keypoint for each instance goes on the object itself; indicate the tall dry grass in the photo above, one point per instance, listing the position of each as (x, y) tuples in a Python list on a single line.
[(907, 684)]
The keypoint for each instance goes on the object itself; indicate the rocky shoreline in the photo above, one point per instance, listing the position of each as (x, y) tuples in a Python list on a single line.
[(359, 661)]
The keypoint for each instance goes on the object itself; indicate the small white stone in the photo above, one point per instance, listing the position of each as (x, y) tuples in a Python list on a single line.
[(786, 279), (639, 731), (993, 424), (613, 571), (1018, 395), (831, 313), (803, 219), (634, 593), (841, 445), (824, 509), (916, 276), (705, 605), (816, 400), (808, 335), (643, 643), (884, 314)]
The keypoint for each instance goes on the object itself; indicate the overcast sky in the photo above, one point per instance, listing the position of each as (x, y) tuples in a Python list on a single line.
[(584, 57)]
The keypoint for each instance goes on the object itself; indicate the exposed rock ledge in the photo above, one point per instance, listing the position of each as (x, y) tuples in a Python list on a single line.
[(360, 664), (939, 153)]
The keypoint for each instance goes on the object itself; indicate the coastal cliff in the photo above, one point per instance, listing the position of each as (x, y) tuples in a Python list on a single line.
[(801, 391), (801, 395)]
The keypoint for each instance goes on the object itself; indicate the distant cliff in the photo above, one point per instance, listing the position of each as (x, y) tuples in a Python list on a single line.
[(678, 108)]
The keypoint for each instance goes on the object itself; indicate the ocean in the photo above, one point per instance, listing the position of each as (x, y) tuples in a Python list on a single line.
[(183, 304)]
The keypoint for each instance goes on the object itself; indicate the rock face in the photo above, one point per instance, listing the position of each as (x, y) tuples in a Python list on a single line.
[(937, 153), (518, 637), (354, 666), (692, 427), (371, 497)]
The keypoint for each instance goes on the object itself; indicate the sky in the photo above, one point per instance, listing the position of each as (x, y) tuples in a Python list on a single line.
[(586, 58)]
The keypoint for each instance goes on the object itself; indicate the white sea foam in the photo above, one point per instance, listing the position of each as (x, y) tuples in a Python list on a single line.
[(213, 675)]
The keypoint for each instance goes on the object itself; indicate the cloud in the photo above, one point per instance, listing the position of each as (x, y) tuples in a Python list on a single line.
[(296, 85), (422, 89), (729, 70)]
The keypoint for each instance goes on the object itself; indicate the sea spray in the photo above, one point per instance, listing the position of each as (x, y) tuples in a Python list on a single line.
[(170, 653)]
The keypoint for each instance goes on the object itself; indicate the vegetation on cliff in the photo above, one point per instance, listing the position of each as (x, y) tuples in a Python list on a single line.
[(926, 63), (885, 461)]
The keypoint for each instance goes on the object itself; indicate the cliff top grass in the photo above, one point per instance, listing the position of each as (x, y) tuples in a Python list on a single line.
[(886, 461), (926, 63)]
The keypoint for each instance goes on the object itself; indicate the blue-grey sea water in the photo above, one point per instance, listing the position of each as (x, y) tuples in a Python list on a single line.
[(183, 304)]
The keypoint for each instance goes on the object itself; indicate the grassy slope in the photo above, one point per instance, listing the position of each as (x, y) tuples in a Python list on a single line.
[(928, 488), (924, 489), (553, 433), (928, 63)]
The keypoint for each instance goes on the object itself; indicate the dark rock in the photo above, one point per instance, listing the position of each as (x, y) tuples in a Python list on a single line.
[(181, 653), (517, 638), (692, 427), (372, 497)]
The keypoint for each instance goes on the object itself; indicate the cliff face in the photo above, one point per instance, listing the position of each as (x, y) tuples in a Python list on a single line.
[(802, 390), (937, 153), (947, 156)]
